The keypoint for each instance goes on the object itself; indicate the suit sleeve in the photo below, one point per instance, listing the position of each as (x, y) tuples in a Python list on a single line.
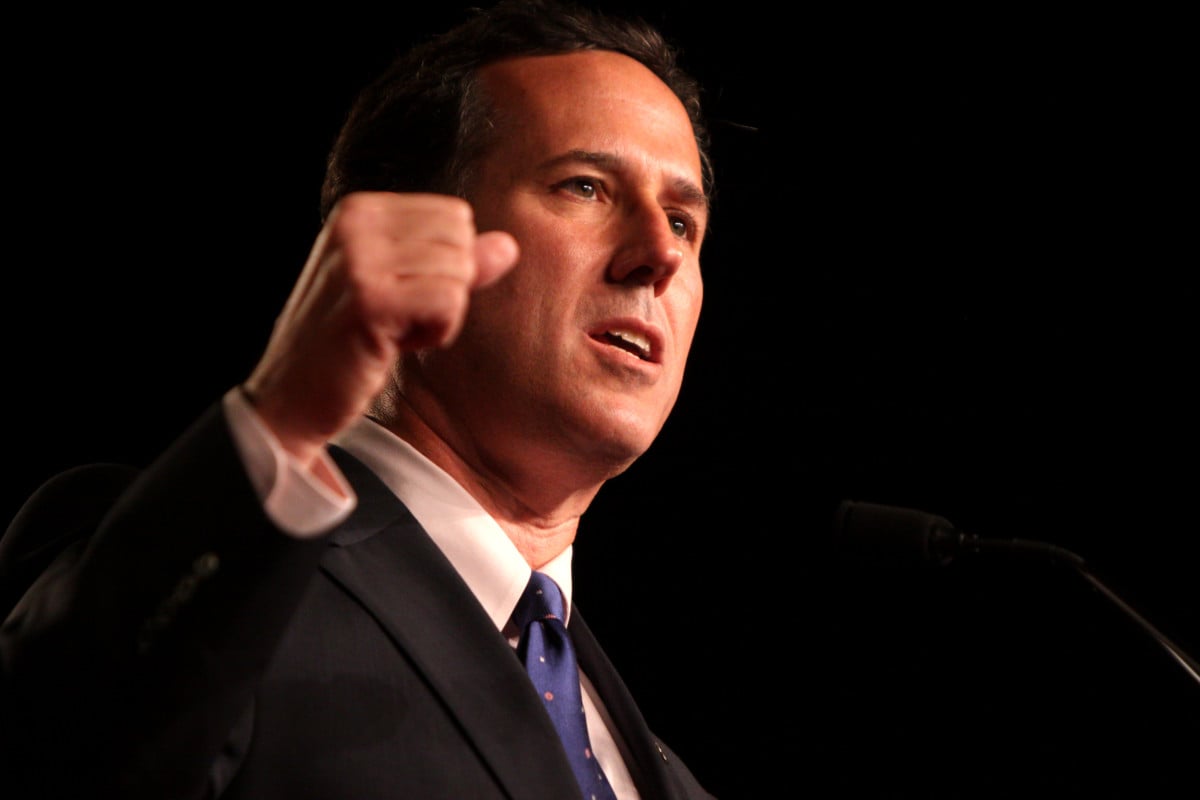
[(149, 605)]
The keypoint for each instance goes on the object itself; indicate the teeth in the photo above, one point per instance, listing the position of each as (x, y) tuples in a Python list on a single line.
[(636, 340)]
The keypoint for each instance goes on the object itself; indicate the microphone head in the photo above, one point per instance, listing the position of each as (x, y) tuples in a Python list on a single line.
[(890, 536)]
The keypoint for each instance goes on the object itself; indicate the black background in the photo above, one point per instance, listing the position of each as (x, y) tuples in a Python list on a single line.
[(949, 268)]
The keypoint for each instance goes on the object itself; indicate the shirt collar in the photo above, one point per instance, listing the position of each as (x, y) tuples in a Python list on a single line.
[(467, 535)]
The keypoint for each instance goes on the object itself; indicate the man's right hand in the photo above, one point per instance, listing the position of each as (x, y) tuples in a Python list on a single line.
[(387, 272)]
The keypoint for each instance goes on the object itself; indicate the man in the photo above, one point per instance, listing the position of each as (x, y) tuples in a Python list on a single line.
[(308, 594)]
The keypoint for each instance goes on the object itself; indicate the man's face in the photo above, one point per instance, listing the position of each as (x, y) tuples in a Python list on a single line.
[(581, 348)]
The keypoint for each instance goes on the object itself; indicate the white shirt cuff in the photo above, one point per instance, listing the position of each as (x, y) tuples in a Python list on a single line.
[(296, 501)]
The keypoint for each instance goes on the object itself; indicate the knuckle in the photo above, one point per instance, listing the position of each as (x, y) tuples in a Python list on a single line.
[(459, 208)]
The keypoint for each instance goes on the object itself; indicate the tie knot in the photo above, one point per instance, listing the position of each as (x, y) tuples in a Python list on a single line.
[(541, 599)]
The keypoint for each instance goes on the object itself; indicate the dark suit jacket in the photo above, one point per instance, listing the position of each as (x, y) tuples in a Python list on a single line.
[(177, 645)]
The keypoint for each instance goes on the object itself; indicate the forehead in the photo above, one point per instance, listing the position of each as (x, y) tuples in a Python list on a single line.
[(593, 100)]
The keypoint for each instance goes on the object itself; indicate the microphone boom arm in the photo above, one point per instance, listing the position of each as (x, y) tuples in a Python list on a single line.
[(889, 534)]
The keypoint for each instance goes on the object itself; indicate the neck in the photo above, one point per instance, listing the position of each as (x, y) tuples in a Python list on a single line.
[(537, 505)]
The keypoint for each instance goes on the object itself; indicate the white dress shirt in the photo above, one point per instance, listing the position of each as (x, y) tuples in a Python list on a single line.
[(467, 535)]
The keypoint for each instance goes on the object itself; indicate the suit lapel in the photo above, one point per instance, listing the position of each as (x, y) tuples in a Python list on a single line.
[(383, 557), (648, 762)]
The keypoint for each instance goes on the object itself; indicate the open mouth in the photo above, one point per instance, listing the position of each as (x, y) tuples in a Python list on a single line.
[(629, 341)]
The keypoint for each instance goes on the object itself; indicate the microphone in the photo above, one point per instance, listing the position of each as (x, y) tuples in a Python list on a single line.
[(891, 536)]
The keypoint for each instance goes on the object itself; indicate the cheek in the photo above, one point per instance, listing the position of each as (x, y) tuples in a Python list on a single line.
[(539, 299), (684, 307), (555, 267)]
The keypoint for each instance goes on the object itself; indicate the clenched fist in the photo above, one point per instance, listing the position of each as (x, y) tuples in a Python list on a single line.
[(387, 272)]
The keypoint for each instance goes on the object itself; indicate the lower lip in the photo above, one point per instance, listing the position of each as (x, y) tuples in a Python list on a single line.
[(626, 359)]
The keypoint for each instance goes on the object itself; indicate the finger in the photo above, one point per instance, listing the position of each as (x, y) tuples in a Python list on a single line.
[(428, 313), (401, 218), (496, 252)]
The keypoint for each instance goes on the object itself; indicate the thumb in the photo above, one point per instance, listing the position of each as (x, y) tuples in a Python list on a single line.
[(496, 252)]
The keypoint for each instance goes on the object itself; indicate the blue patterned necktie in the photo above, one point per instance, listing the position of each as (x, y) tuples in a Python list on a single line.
[(546, 650)]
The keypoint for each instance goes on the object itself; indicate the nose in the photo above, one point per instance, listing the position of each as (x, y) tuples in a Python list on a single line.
[(650, 252)]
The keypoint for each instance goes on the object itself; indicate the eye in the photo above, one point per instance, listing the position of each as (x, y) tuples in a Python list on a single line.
[(580, 186), (682, 225)]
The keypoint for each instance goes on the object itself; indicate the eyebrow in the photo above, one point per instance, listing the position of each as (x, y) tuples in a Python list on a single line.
[(688, 192)]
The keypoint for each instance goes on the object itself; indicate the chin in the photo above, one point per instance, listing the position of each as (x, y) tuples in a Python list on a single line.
[(611, 429), (621, 439)]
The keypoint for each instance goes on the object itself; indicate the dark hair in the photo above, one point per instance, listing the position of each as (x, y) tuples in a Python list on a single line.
[(422, 124)]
